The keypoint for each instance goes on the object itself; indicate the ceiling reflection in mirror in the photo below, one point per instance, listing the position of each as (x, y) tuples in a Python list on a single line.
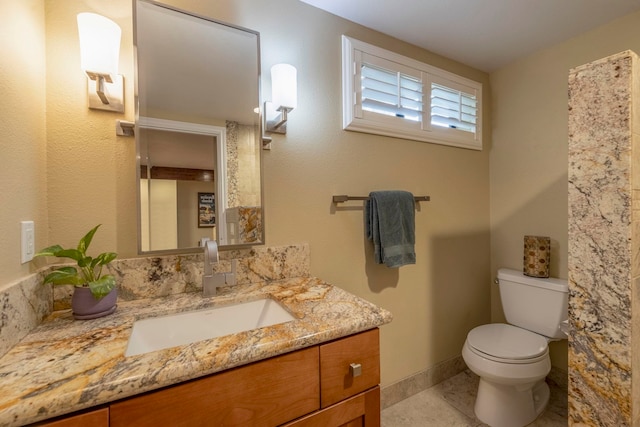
[(197, 131)]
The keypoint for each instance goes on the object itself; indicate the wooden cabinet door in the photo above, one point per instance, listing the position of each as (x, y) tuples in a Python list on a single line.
[(337, 381), (266, 393), (362, 410)]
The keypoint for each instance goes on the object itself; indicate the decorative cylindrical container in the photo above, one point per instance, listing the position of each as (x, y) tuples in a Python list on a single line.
[(537, 254)]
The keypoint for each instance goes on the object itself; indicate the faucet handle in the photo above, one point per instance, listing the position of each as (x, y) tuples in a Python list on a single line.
[(211, 251)]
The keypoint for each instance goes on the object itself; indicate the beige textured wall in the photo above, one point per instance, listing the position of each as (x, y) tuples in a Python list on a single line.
[(91, 176), (446, 293), (529, 154), (23, 190), (91, 171)]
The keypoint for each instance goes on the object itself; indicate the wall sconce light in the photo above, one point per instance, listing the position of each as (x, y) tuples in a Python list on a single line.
[(99, 55), (284, 98)]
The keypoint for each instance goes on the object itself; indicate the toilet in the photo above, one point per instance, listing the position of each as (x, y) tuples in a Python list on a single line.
[(512, 360)]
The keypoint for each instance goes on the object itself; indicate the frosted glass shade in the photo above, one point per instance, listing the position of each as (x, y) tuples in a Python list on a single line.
[(284, 86), (99, 43)]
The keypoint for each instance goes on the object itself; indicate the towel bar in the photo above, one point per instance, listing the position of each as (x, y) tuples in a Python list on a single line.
[(344, 198)]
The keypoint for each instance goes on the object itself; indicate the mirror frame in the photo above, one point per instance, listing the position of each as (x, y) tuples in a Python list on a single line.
[(197, 128)]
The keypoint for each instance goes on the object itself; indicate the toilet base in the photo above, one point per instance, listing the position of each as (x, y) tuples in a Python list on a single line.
[(510, 406)]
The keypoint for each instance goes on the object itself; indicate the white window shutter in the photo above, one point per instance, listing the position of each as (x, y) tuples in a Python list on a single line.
[(452, 108), (391, 93)]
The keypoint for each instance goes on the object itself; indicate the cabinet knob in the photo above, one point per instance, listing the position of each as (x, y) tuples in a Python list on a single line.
[(355, 369)]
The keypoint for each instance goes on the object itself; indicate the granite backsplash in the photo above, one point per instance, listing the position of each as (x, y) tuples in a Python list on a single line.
[(27, 302)]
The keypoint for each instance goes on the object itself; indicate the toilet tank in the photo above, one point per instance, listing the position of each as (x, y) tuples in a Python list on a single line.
[(536, 304)]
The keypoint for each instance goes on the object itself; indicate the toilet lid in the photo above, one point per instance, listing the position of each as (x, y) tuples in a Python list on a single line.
[(507, 341)]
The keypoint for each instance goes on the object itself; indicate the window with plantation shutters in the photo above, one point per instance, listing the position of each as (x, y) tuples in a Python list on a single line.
[(388, 94)]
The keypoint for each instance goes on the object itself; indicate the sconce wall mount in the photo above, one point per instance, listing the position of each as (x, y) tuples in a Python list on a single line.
[(275, 118), (105, 91)]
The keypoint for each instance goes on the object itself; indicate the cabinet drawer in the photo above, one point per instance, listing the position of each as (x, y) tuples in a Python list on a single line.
[(264, 393), (337, 379), (361, 410)]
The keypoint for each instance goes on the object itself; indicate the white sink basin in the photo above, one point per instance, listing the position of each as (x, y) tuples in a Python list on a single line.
[(184, 328)]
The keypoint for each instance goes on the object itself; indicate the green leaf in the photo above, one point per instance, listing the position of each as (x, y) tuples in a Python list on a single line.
[(50, 251), (94, 262), (84, 243), (101, 287), (85, 261), (70, 253), (64, 276), (105, 258)]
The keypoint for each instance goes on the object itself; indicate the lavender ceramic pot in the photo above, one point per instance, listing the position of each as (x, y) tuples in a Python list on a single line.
[(85, 306)]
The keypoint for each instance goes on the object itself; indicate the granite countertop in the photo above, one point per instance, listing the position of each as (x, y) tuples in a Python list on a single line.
[(65, 365)]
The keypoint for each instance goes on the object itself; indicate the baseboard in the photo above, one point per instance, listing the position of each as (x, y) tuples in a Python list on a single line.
[(420, 381)]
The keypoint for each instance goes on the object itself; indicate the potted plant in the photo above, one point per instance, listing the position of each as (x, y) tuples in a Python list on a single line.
[(95, 293)]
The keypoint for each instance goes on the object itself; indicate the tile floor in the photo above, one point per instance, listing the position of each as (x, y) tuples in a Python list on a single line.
[(450, 404)]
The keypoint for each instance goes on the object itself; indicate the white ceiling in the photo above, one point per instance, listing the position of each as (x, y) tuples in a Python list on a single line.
[(485, 34)]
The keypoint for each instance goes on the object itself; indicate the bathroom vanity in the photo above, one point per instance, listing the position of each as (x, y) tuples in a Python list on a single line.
[(314, 383), (320, 369)]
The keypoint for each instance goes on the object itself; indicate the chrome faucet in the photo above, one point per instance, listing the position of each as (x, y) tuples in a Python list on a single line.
[(212, 281)]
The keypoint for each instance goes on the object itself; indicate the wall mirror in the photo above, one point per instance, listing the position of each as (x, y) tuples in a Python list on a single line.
[(197, 131)]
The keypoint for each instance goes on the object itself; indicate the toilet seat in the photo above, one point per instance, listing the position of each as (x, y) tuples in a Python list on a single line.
[(507, 344)]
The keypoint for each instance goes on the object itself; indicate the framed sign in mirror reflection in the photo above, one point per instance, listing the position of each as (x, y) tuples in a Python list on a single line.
[(206, 210)]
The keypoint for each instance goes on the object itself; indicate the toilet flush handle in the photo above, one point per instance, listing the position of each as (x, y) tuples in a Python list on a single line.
[(355, 369)]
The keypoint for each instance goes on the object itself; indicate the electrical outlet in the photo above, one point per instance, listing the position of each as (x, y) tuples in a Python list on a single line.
[(27, 233)]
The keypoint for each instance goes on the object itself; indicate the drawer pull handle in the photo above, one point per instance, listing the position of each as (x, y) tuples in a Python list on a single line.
[(355, 369)]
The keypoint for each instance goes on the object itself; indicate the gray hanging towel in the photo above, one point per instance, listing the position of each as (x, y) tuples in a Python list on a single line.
[(390, 224)]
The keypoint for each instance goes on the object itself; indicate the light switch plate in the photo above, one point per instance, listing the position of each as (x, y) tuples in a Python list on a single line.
[(27, 232)]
